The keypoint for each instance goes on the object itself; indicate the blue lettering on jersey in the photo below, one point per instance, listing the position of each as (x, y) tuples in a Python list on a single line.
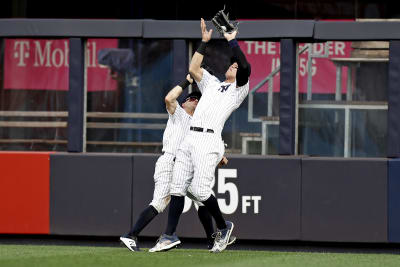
[(223, 88)]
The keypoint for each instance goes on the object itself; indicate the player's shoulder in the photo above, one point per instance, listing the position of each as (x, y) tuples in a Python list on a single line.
[(208, 76), (181, 113), (178, 110)]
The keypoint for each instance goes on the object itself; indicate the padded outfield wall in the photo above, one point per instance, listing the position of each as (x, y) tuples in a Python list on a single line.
[(268, 198)]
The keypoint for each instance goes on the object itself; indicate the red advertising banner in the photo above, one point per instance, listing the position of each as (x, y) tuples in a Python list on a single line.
[(264, 57), (42, 64)]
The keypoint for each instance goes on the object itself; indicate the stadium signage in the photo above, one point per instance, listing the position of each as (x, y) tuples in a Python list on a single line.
[(264, 57), (43, 64), (233, 200)]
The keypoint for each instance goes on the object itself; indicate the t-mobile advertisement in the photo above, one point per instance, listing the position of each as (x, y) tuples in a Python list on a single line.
[(42, 64)]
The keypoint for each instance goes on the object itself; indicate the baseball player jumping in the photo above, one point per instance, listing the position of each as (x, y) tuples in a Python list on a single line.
[(177, 128), (203, 147)]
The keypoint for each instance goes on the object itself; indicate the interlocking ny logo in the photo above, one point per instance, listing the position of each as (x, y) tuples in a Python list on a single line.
[(224, 88)]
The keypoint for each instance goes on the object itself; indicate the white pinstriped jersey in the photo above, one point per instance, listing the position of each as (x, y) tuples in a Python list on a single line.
[(218, 101), (200, 152), (177, 128)]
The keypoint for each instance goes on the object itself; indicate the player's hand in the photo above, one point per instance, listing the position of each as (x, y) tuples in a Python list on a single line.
[(189, 78), (230, 36), (224, 161), (205, 35)]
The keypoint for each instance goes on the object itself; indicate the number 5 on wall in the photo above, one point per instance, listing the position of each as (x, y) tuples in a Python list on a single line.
[(230, 188)]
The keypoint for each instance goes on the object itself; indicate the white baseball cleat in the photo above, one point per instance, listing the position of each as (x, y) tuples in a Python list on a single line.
[(232, 240), (222, 238), (166, 242)]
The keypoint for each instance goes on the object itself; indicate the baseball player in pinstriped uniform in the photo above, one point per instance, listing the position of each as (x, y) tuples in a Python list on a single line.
[(203, 148), (177, 128)]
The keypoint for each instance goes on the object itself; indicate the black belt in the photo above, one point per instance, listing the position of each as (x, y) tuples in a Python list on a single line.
[(199, 129)]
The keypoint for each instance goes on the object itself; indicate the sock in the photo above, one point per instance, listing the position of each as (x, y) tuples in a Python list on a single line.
[(206, 221), (175, 210), (144, 219), (212, 205)]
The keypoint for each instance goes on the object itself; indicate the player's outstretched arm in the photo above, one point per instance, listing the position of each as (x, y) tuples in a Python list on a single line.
[(195, 65), (170, 99), (244, 68)]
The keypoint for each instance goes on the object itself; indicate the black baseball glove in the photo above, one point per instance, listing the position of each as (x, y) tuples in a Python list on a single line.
[(222, 23)]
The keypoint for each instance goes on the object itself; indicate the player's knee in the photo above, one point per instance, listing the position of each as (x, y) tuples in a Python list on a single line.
[(159, 206), (201, 195), (203, 198), (177, 192)]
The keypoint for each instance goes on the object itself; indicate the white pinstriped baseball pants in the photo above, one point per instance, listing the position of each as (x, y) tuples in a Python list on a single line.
[(195, 164), (162, 182)]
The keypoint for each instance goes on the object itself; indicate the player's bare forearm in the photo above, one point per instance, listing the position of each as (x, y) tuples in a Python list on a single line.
[(170, 99), (172, 96), (195, 66)]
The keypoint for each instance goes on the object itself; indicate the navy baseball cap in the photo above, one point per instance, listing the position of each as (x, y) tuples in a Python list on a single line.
[(194, 94)]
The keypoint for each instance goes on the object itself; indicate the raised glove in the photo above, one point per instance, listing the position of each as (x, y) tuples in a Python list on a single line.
[(222, 23)]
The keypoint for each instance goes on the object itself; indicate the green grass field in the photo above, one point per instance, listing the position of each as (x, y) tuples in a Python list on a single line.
[(76, 256)]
